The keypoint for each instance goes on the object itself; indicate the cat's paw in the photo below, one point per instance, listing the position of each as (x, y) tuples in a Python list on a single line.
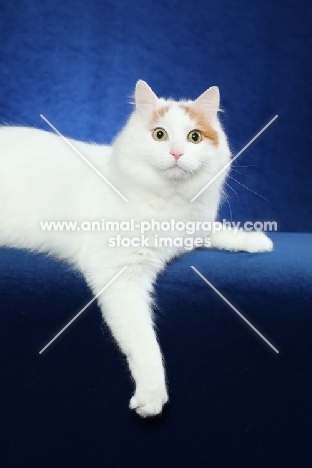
[(149, 403), (258, 242)]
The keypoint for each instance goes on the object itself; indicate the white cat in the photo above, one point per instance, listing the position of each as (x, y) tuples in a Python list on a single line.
[(165, 154)]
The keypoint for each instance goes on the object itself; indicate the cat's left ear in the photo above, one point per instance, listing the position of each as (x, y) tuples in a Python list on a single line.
[(145, 99), (209, 102)]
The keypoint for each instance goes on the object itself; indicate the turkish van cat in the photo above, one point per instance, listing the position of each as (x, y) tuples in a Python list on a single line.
[(166, 153)]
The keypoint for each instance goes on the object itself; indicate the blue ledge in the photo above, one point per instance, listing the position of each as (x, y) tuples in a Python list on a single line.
[(234, 400)]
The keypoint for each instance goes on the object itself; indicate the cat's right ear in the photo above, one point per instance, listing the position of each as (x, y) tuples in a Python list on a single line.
[(145, 99)]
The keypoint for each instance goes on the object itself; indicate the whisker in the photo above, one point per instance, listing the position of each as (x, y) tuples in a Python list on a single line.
[(224, 193), (246, 175), (249, 165), (249, 188), (232, 189)]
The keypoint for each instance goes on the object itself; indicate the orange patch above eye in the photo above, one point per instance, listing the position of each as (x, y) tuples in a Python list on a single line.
[(202, 124), (158, 113)]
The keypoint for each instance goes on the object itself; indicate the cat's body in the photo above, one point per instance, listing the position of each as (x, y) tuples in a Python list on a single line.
[(43, 179)]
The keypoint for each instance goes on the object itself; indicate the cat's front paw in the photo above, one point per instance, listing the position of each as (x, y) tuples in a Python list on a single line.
[(149, 402), (258, 242)]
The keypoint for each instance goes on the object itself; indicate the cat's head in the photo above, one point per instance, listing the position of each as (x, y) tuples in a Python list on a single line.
[(174, 140)]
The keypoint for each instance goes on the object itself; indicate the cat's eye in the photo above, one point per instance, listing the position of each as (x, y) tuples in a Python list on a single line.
[(194, 136), (159, 134)]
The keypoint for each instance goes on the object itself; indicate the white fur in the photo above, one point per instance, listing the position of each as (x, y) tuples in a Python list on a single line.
[(239, 240), (43, 179)]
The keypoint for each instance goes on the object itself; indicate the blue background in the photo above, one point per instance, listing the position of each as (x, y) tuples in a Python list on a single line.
[(233, 401), (77, 63)]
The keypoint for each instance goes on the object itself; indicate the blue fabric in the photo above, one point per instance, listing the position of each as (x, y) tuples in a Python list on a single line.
[(78, 61), (234, 401)]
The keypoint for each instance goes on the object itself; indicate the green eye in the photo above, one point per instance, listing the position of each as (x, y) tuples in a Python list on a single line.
[(159, 134), (194, 136)]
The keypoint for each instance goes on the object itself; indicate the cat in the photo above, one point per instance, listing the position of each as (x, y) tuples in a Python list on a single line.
[(165, 154)]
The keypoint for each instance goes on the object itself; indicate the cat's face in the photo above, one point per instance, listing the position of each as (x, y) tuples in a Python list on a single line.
[(181, 140), (174, 140)]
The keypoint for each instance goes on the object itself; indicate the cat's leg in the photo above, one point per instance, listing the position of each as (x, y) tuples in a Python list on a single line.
[(240, 240), (127, 309)]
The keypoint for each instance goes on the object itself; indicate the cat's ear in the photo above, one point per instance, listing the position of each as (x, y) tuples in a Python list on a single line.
[(209, 102), (145, 99)]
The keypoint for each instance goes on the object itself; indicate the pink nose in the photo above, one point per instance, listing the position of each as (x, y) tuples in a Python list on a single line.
[(176, 154)]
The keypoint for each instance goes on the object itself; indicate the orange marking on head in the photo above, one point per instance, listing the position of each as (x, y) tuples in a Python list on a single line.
[(158, 113), (202, 124)]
